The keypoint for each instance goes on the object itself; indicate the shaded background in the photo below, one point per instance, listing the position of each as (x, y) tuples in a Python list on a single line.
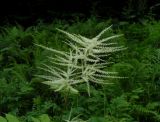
[(28, 12)]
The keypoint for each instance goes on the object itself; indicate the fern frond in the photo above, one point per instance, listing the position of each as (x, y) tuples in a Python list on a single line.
[(153, 105)]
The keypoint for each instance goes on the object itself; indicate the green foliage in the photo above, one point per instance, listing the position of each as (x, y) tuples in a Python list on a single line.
[(42, 118), (132, 99), (2, 119), (9, 118)]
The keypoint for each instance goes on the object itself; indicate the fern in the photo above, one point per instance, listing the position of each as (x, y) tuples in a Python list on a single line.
[(83, 64)]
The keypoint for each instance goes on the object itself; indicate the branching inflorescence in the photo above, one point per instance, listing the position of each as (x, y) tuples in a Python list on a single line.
[(82, 64)]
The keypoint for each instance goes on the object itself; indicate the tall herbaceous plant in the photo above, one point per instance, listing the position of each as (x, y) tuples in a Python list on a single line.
[(82, 64)]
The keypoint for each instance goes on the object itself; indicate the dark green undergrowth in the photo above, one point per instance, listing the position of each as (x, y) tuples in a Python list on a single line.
[(132, 99)]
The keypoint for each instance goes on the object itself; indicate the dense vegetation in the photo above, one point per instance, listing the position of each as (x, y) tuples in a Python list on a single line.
[(136, 98)]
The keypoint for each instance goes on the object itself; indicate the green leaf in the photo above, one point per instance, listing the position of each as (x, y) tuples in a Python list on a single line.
[(44, 118), (2, 119), (35, 119), (11, 118), (97, 119)]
